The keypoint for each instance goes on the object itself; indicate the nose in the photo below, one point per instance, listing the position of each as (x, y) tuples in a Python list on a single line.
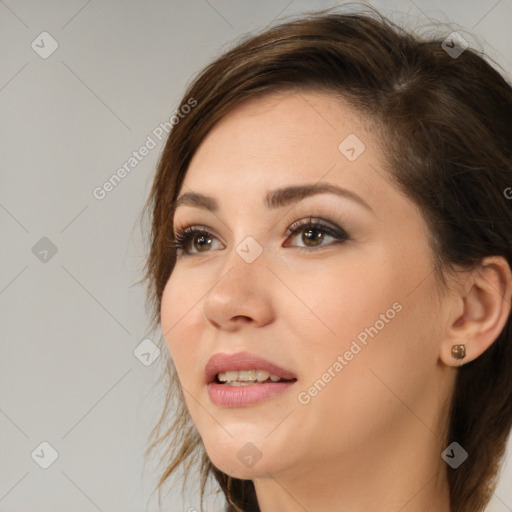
[(240, 296)]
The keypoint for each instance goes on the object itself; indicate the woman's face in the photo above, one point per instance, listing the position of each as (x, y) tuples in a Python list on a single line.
[(347, 305)]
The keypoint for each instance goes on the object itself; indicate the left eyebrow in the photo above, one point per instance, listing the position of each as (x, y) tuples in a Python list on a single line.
[(276, 198), (288, 195)]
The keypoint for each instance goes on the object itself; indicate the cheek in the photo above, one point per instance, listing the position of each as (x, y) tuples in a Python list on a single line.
[(363, 395), (344, 295), (181, 319), (364, 311)]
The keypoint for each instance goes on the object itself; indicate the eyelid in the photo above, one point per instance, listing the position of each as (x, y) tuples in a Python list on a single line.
[(328, 226)]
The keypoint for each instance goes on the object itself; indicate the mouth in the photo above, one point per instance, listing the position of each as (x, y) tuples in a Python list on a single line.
[(244, 369), (242, 379)]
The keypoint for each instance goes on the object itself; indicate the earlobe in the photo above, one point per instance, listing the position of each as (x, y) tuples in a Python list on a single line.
[(485, 297)]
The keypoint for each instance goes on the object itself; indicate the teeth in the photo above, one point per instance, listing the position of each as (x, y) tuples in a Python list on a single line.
[(237, 378), (262, 375)]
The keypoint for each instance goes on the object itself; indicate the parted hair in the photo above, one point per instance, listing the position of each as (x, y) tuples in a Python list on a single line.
[(445, 127)]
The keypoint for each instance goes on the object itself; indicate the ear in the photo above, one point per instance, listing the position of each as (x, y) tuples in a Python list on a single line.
[(479, 310)]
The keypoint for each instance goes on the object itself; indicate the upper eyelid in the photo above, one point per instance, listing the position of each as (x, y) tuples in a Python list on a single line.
[(317, 221), (297, 224)]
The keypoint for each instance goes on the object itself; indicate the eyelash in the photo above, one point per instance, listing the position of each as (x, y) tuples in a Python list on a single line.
[(183, 235)]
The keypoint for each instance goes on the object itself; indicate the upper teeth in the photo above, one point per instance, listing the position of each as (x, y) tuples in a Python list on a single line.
[(247, 375)]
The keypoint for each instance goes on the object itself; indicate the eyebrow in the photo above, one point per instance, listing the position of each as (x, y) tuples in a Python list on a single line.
[(276, 198)]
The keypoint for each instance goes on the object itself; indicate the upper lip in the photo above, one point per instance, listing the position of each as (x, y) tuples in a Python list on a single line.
[(242, 361)]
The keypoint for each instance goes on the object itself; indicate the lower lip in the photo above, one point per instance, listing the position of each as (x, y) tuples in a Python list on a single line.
[(241, 396)]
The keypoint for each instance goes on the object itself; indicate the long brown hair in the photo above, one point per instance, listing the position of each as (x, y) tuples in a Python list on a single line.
[(445, 125)]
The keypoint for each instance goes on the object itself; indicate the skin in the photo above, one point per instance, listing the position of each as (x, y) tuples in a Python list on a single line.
[(371, 439)]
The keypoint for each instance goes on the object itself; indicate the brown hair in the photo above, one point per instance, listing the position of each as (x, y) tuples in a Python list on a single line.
[(444, 125)]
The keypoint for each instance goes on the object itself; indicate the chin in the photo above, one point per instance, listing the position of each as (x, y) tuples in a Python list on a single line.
[(235, 469), (245, 462)]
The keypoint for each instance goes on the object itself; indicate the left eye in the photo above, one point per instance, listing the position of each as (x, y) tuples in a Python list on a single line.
[(313, 233)]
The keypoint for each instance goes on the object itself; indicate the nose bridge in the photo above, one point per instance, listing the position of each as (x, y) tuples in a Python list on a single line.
[(242, 270), (240, 290), (246, 258)]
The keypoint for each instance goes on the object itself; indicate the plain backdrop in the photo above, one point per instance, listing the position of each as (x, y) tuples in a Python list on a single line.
[(75, 392)]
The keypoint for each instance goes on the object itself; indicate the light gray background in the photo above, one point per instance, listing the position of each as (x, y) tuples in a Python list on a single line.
[(68, 326)]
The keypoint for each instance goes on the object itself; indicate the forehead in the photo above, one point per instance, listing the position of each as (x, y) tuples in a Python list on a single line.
[(280, 137)]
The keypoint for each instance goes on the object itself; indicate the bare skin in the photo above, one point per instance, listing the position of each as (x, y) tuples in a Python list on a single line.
[(371, 438)]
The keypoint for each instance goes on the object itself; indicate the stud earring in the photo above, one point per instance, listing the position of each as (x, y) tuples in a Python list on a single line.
[(459, 351)]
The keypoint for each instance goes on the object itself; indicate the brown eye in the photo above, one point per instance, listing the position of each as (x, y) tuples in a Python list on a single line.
[(312, 237), (195, 240), (314, 233), (202, 242)]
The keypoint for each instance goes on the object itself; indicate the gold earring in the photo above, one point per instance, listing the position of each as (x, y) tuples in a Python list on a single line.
[(459, 351)]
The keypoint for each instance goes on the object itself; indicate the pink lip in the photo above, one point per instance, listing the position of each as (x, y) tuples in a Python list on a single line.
[(239, 396)]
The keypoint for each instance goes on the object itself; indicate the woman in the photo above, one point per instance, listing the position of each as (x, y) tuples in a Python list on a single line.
[(330, 265)]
